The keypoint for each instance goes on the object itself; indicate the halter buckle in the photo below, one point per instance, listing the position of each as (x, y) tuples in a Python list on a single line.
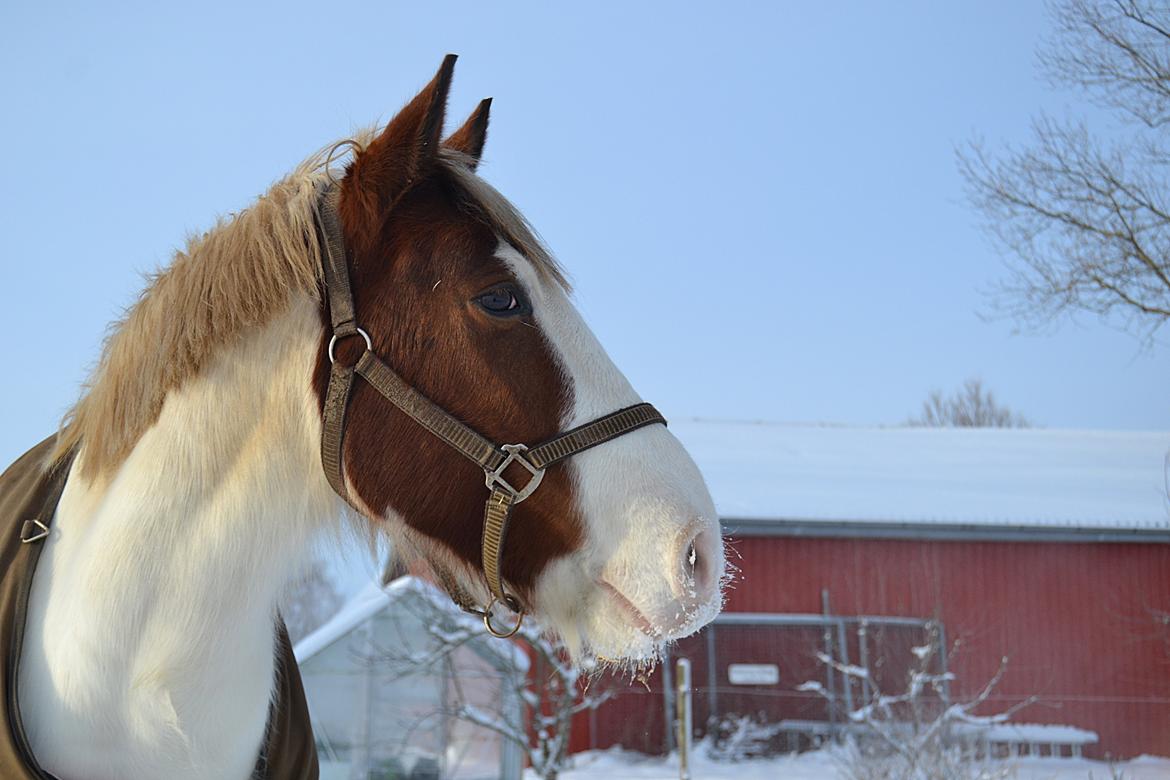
[(515, 455)]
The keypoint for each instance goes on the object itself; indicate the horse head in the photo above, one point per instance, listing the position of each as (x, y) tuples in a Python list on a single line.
[(619, 550)]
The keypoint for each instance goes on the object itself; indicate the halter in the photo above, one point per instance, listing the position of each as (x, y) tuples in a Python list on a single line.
[(492, 458)]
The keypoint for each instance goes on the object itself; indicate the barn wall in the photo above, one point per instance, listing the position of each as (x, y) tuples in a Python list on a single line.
[(1077, 622)]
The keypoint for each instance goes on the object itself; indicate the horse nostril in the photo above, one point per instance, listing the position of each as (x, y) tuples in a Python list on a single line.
[(695, 568)]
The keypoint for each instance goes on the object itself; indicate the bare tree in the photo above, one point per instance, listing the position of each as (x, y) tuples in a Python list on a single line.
[(1084, 219), (969, 407), (309, 602), (1116, 53), (552, 689)]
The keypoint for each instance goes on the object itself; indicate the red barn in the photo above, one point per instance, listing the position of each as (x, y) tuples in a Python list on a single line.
[(1048, 548)]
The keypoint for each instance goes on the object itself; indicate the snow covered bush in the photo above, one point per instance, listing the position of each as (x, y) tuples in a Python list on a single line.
[(857, 760), (554, 691), (918, 733)]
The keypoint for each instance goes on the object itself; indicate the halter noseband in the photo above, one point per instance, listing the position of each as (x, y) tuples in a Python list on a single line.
[(491, 458)]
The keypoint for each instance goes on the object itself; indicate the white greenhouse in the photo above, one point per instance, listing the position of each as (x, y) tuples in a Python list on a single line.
[(390, 680)]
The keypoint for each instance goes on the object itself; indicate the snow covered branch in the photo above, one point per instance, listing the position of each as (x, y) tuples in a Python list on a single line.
[(545, 688)]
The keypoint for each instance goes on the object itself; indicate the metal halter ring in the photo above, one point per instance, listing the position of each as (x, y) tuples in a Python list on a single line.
[(515, 455), (487, 618), (360, 332)]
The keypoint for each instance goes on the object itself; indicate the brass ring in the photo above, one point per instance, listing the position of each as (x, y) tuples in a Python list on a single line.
[(487, 620)]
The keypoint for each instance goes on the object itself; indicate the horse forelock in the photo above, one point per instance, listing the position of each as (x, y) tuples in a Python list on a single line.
[(503, 217)]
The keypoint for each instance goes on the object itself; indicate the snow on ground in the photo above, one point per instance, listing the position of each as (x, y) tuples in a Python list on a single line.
[(819, 765)]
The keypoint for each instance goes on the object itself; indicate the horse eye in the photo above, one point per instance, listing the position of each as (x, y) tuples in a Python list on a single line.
[(501, 301)]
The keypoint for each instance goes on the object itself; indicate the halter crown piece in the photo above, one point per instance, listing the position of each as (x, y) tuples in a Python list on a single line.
[(492, 458)]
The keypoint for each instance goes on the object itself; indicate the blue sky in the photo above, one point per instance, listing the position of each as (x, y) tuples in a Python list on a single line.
[(758, 203)]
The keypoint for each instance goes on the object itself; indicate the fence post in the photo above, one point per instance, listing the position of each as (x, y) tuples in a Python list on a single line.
[(712, 677), (668, 699), (943, 649), (863, 659), (843, 657), (683, 718), (830, 673)]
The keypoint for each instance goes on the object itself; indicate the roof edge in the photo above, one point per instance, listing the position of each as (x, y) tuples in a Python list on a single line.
[(940, 532)]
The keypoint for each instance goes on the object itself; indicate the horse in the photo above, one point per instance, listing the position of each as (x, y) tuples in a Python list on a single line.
[(213, 443)]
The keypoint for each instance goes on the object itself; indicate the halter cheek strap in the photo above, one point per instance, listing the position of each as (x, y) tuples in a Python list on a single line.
[(492, 458)]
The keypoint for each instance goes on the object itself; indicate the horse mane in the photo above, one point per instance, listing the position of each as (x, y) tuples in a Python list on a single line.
[(236, 276)]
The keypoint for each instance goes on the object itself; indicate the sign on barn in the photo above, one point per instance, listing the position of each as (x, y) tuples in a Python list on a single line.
[(753, 674)]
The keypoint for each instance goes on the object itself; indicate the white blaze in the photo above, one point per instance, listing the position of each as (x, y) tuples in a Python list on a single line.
[(642, 498)]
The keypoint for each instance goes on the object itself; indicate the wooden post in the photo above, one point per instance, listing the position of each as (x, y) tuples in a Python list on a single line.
[(668, 705), (683, 717)]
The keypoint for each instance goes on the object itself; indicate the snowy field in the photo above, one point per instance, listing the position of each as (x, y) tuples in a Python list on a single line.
[(819, 765)]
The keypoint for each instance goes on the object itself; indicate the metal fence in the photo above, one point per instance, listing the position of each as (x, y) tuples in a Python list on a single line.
[(754, 666), (751, 667)]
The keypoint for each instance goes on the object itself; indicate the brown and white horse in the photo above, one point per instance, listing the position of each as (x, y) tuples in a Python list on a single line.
[(198, 486)]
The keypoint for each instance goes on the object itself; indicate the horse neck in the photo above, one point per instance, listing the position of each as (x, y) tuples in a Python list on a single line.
[(156, 596)]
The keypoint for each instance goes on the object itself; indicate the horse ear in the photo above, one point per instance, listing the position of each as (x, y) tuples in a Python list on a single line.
[(400, 156), (470, 138)]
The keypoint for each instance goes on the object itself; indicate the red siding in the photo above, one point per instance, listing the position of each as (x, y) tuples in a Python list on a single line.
[(1076, 621)]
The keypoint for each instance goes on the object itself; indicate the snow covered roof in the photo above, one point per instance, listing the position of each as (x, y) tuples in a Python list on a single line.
[(374, 597), (933, 476)]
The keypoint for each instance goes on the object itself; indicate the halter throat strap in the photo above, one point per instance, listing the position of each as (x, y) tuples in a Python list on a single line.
[(492, 458)]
